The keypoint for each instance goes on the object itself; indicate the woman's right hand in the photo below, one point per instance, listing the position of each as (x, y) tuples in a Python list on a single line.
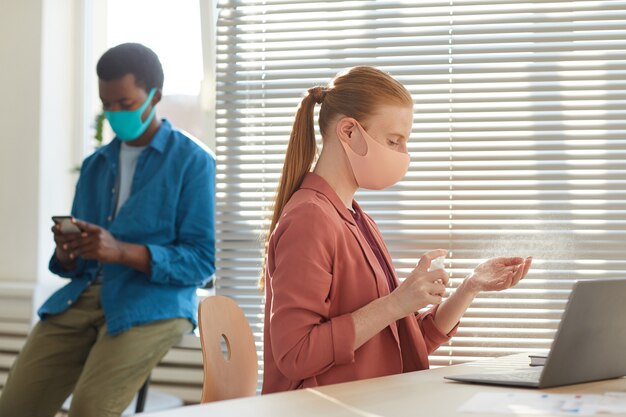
[(421, 287)]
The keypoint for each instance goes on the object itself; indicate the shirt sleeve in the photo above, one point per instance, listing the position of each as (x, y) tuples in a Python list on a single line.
[(306, 341), (432, 335), (57, 268), (190, 261)]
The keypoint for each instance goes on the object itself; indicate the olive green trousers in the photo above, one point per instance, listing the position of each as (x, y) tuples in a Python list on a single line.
[(72, 353)]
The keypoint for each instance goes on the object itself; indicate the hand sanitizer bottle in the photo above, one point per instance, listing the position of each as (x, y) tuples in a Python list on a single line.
[(437, 263)]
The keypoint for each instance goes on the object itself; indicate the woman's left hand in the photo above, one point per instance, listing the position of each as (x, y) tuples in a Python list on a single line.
[(497, 274)]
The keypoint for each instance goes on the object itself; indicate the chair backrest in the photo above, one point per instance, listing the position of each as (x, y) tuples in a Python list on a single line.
[(234, 372)]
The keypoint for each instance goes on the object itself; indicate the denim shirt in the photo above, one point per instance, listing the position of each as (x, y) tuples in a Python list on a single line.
[(170, 210)]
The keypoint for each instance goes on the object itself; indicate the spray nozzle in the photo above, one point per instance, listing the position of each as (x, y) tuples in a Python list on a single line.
[(437, 263)]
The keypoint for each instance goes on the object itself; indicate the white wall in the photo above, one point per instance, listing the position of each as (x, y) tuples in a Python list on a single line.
[(20, 60), (61, 121), (41, 121)]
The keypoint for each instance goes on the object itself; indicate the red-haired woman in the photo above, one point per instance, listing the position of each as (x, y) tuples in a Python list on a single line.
[(335, 310)]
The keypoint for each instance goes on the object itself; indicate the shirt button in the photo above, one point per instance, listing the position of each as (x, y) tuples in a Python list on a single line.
[(69, 302), (109, 218), (113, 190)]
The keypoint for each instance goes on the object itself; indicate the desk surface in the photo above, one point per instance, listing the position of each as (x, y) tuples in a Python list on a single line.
[(423, 393)]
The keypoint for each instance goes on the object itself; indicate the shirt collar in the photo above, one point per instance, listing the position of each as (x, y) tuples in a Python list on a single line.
[(316, 183), (159, 140)]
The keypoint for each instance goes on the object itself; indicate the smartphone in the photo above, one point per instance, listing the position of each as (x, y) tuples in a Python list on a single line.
[(66, 224)]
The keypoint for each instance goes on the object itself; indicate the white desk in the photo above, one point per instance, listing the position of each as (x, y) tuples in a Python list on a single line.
[(422, 394)]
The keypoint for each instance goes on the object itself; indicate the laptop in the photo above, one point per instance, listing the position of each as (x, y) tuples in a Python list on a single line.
[(589, 345)]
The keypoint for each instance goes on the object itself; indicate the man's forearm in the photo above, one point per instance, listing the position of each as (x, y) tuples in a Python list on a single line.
[(135, 256)]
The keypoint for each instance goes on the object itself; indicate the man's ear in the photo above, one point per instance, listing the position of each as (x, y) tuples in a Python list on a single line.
[(158, 95), (346, 126)]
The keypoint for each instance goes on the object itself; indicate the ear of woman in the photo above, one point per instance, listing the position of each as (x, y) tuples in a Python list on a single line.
[(349, 133)]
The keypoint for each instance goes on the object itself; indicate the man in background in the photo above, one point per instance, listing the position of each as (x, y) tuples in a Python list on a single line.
[(144, 212)]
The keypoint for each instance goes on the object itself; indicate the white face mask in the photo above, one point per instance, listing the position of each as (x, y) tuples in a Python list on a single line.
[(380, 167)]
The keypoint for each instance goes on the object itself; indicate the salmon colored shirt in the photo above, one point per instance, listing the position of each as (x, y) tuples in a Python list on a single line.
[(320, 269)]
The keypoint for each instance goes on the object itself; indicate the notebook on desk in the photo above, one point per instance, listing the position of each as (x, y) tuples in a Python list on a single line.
[(589, 345)]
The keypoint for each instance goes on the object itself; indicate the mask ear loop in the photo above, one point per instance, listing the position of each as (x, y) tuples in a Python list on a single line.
[(363, 135), (345, 144), (145, 105)]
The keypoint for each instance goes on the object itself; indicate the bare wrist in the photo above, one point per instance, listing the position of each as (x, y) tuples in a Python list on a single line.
[(121, 253), (67, 263), (468, 287), (393, 307)]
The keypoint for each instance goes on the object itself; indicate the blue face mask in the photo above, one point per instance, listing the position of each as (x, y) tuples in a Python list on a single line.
[(127, 124)]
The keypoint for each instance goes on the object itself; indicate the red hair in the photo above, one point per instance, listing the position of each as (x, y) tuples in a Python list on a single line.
[(356, 93)]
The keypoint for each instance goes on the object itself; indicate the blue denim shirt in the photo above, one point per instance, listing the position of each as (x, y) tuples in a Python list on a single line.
[(170, 210)]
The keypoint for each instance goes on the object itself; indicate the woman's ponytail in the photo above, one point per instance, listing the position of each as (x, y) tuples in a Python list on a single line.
[(301, 152)]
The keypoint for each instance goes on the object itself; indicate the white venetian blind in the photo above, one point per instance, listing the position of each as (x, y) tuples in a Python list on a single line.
[(518, 144)]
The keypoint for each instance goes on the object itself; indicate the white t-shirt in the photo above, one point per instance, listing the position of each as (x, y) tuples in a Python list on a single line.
[(128, 162)]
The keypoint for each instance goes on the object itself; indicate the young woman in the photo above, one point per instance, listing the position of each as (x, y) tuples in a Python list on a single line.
[(335, 310)]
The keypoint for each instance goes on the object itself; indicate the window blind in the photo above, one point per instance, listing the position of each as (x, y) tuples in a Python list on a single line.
[(518, 144)]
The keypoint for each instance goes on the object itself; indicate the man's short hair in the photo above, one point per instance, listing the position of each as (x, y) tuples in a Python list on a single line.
[(132, 58)]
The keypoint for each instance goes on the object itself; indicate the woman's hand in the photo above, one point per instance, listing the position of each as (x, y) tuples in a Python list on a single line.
[(421, 287), (498, 274)]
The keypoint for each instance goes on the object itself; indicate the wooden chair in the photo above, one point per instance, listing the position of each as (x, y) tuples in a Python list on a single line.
[(231, 372)]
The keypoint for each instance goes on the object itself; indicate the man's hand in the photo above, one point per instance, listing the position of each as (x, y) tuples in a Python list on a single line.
[(64, 240), (95, 243)]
